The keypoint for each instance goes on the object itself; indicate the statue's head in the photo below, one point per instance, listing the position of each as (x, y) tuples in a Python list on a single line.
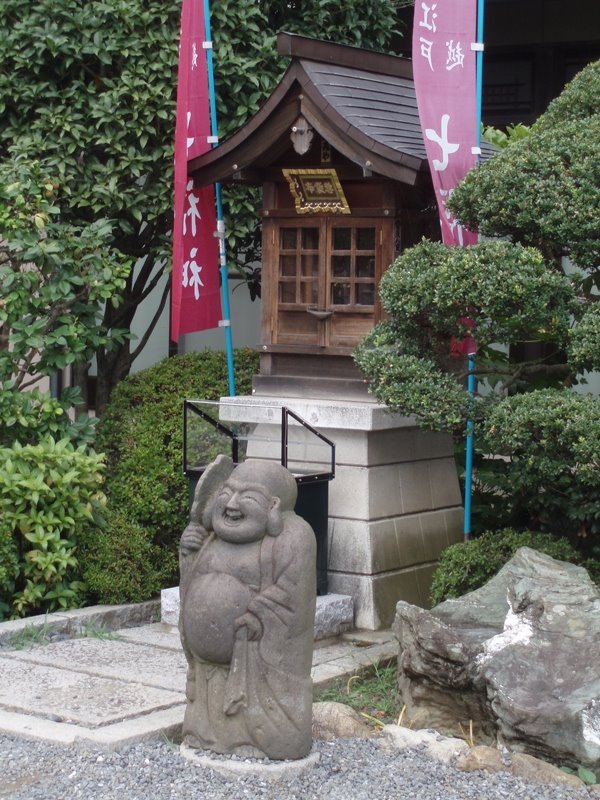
[(251, 502)]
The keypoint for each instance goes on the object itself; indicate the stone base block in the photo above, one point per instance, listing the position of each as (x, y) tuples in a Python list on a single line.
[(169, 606), (334, 614), (375, 596), (392, 543)]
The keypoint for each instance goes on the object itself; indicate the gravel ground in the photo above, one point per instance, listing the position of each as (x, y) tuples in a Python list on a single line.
[(349, 769)]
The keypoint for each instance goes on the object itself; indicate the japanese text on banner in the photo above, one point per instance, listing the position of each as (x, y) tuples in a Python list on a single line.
[(444, 70), (195, 293)]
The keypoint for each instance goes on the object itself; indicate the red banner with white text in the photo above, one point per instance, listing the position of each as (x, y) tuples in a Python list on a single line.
[(444, 70), (195, 293)]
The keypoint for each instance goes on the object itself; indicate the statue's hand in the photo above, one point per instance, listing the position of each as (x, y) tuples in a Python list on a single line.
[(192, 538), (252, 623)]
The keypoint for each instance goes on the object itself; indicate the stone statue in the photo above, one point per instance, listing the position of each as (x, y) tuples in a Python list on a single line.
[(248, 595)]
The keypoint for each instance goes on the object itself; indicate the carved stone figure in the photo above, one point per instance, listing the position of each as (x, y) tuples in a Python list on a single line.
[(248, 595)]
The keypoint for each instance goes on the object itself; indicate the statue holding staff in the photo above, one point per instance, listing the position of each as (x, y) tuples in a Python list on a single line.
[(248, 594)]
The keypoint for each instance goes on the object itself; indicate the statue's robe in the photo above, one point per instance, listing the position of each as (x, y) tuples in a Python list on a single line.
[(252, 697)]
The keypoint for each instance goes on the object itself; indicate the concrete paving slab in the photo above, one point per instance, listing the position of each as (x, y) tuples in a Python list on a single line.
[(73, 621), (112, 658), (332, 652), (63, 695), (157, 635), (165, 723)]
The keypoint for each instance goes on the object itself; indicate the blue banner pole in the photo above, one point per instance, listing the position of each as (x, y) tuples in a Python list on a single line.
[(471, 386), (471, 380), (226, 321)]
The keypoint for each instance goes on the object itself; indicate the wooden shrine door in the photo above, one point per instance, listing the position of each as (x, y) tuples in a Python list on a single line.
[(323, 274)]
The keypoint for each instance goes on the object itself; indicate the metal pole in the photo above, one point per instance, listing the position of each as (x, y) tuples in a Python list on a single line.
[(226, 321), (471, 386), (471, 381)]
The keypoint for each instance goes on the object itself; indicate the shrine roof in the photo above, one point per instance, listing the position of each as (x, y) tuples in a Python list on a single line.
[(362, 102)]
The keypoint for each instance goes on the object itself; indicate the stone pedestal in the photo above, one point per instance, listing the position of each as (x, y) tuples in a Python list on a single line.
[(394, 503)]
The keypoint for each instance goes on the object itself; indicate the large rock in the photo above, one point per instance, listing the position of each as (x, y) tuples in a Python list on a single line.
[(520, 657)]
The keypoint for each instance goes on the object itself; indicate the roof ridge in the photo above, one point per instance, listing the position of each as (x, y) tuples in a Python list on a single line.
[(307, 49)]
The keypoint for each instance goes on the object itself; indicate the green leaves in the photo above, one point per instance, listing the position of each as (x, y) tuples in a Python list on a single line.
[(135, 555), (585, 774), (90, 89), (466, 566), (49, 493), (506, 291), (436, 295), (544, 190), (549, 470), (408, 383), (54, 278)]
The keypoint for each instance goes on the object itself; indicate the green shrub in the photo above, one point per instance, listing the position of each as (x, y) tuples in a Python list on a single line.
[(49, 493), (123, 565), (141, 434), (548, 476), (466, 566), (436, 295), (27, 417)]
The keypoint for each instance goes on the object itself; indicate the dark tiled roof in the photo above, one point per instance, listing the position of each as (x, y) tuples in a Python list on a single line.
[(382, 107)]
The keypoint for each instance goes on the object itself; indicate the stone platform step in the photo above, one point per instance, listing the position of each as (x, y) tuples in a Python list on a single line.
[(334, 614)]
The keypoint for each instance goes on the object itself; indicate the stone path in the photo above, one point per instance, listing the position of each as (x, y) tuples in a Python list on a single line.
[(114, 691)]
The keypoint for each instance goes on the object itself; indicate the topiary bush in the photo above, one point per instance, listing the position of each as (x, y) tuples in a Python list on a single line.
[(141, 434), (547, 477), (466, 566), (49, 494), (436, 298), (123, 565)]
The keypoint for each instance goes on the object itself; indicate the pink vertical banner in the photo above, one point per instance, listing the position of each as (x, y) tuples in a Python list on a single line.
[(195, 292), (444, 70)]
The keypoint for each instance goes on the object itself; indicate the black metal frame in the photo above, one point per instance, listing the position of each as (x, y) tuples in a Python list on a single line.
[(286, 413), (192, 406), (318, 476)]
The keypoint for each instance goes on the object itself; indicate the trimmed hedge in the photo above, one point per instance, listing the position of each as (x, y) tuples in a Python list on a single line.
[(141, 434), (123, 565), (466, 566)]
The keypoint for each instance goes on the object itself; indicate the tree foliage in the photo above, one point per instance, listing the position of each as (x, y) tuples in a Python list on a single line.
[(141, 434), (89, 89), (55, 278), (544, 190), (548, 471), (49, 493), (465, 566), (437, 296)]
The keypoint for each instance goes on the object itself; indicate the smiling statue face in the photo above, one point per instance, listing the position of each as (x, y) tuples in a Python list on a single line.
[(241, 511)]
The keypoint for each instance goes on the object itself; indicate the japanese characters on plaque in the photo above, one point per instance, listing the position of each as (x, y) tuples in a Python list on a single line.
[(316, 191), (444, 70)]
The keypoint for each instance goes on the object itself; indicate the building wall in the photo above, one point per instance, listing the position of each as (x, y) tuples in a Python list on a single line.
[(245, 324)]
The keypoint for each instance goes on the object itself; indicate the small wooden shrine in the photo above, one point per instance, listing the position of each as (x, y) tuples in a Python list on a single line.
[(338, 152)]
